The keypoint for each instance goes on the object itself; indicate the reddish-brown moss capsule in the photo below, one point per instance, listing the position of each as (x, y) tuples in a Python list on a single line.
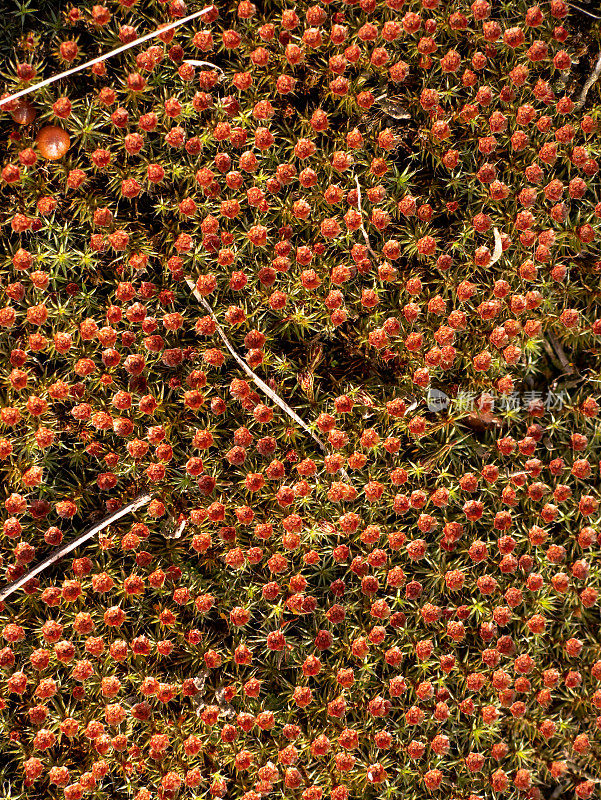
[(24, 113), (53, 142)]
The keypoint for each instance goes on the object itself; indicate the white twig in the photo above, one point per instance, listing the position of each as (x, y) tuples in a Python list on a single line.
[(498, 251), (592, 78), (196, 63), (178, 528), (104, 57), (362, 227), (138, 502), (260, 383)]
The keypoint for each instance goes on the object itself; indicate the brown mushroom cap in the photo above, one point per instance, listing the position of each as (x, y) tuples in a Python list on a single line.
[(24, 113), (53, 142)]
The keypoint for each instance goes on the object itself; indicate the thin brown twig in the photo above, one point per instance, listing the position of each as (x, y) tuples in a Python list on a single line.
[(560, 353), (551, 353)]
